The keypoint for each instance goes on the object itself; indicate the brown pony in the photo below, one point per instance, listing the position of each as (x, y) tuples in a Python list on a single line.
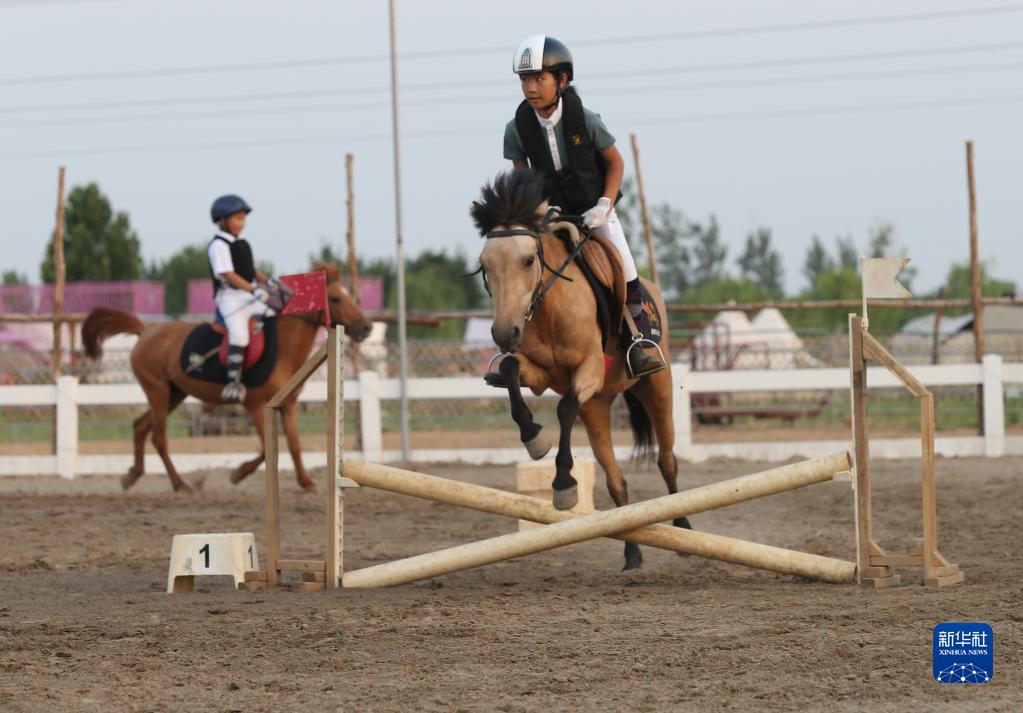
[(556, 342), (155, 361)]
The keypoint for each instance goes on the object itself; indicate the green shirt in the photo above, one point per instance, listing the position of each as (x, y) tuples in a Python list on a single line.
[(602, 139)]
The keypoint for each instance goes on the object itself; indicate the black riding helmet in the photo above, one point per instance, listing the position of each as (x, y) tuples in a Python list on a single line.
[(228, 205), (541, 53)]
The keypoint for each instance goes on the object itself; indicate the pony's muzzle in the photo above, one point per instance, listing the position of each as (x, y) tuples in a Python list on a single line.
[(506, 336)]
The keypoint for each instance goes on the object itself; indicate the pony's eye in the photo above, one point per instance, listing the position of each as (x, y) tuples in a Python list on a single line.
[(529, 261)]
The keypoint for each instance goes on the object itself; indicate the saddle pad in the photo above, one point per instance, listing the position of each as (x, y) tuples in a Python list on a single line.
[(253, 352), (650, 319), (199, 357)]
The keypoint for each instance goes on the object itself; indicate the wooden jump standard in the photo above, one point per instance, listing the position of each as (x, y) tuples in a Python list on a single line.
[(634, 523), (873, 563)]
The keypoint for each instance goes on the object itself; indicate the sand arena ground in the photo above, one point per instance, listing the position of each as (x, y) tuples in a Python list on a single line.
[(85, 624)]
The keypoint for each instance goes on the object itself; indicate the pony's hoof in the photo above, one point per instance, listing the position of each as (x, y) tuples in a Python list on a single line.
[(539, 446), (129, 479), (632, 565), (237, 476), (184, 489), (566, 499), (309, 486), (682, 522)]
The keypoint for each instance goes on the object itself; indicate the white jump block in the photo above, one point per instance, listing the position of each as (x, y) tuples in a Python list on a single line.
[(535, 478), (229, 553)]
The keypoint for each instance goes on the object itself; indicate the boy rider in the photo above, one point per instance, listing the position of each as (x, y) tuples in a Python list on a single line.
[(235, 288), (552, 132)]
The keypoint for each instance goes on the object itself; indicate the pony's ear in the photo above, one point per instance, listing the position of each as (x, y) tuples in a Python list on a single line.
[(332, 272)]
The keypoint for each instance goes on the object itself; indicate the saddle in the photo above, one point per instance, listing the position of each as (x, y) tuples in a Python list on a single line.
[(600, 263), (210, 338), (257, 340)]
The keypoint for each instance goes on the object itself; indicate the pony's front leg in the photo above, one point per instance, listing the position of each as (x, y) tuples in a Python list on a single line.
[(536, 442), (587, 381)]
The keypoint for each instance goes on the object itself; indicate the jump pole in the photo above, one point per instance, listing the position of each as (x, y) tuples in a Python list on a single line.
[(524, 507), (619, 521)]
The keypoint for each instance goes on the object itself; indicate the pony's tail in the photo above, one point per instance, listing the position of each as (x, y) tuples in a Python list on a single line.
[(642, 428), (104, 322)]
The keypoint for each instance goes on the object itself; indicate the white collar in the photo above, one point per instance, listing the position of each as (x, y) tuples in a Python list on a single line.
[(225, 235), (551, 121)]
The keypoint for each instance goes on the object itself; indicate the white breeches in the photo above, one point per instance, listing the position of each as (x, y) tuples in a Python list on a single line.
[(612, 230), (236, 307)]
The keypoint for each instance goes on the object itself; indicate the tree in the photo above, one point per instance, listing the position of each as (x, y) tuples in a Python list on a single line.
[(13, 277), (673, 255), (848, 255), (959, 284), (709, 252), (816, 261), (98, 243), (433, 282), (761, 263), (175, 272)]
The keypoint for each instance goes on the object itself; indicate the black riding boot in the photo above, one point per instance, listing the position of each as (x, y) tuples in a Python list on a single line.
[(641, 363), (234, 390)]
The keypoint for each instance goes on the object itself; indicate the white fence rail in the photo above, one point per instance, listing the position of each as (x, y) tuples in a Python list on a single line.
[(369, 390)]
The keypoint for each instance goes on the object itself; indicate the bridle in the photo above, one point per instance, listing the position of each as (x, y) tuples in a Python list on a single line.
[(541, 288)]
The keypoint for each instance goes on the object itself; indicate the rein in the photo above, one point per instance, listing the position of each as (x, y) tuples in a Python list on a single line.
[(542, 288)]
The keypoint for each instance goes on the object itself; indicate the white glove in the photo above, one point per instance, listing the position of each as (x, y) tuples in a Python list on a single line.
[(597, 215), (261, 294)]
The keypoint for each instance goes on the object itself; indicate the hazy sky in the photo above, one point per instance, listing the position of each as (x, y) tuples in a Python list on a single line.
[(823, 126)]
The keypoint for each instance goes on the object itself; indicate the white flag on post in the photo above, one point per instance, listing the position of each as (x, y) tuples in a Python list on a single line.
[(880, 278)]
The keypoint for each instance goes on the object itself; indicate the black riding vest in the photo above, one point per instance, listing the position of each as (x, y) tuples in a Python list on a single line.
[(580, 183), (241, 258)]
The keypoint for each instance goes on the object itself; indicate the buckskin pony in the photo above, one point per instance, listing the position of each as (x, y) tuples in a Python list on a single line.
[(550, 327), (157, 359)]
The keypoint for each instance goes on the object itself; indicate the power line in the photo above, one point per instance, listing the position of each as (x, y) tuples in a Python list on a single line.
[(659, 88), (470, 51), (434, 86), (21, 3), (479, 131)]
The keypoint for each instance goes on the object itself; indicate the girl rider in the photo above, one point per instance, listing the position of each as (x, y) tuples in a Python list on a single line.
[(553, 133), (235, 288)]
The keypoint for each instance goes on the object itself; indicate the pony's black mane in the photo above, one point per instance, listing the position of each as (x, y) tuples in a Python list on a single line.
[(512, 199)]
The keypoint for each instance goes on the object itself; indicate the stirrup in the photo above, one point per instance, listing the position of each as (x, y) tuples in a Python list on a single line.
[(233, 392), (642, 343), (494, 378)]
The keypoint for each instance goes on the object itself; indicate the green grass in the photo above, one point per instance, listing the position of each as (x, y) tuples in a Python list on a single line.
[(955, 409)]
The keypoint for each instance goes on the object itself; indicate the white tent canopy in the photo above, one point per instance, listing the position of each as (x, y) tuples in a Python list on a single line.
[(732, 341)]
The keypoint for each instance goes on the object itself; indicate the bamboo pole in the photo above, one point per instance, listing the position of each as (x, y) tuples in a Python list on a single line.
[(648, 232), (353, 272), (435, 317), (598, 524), (975, 291), (59, 275), (353, 263)]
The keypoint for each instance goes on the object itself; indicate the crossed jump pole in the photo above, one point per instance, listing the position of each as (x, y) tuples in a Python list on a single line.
[(633, 523)]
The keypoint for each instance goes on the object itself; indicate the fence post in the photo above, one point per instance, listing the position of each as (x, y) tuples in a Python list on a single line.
[(66, 426), (994, 406), (372, 429), (682, 411)]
